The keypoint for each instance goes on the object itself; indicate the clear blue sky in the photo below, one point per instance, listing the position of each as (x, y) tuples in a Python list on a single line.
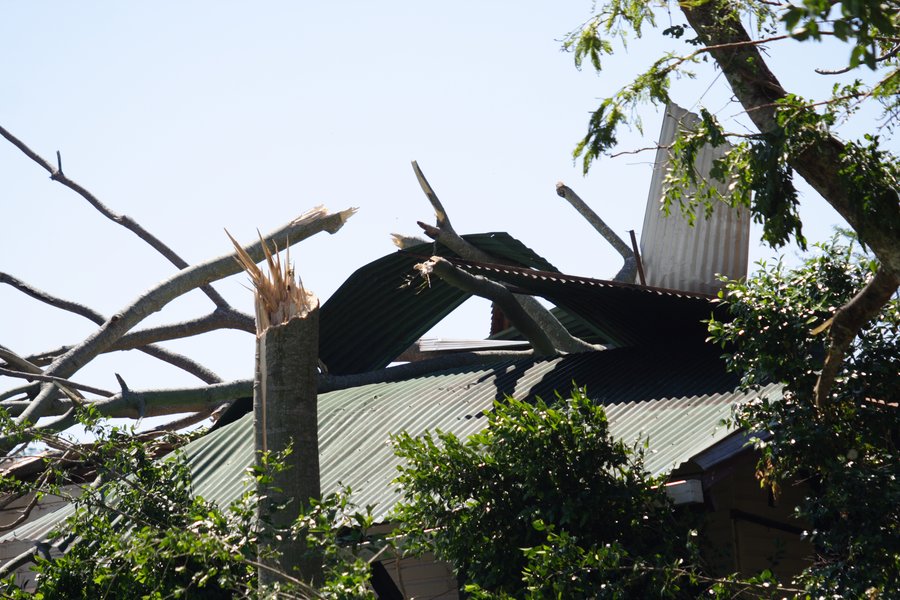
[(196, 116)]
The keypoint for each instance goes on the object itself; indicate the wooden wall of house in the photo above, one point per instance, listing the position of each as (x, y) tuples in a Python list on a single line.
[(10, 513), (747, 530), (422, 577)]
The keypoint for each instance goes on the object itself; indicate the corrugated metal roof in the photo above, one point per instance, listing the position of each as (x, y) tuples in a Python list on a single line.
[(375, 304), (626, 314), (677, 400), (676, 254)]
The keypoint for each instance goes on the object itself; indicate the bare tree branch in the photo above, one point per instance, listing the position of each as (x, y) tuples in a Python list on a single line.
[(310, 223), (224, 317), (136, 403), (28, 368), (491, 290), (445, 234), (28, 391), (629, 269), (125, 221), (39, 377)]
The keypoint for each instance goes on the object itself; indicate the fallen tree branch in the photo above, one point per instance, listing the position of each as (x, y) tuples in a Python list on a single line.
[(173, 358), (56, 174), (118, 325), (39, 377), (444, 233), (135, 403), (480, 286), (629, 268), (846, 323), (29, 368)]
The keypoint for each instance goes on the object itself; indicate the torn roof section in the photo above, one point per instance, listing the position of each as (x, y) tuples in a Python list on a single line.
[(384, 306), (687, 254), (625, 314)]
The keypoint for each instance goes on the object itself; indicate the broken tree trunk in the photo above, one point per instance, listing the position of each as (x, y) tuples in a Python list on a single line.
[(285, 397), (285, 414)]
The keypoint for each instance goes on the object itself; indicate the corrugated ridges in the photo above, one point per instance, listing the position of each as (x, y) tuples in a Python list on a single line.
[(377, 306), (626, 314), (677, 400)]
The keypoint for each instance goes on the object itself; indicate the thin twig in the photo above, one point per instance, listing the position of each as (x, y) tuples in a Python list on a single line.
[(50, 378), (56, 174), (226, 317)]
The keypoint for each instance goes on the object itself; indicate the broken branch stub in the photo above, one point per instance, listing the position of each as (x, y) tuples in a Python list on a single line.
[(444, 233), (494, 291), (629, 268)]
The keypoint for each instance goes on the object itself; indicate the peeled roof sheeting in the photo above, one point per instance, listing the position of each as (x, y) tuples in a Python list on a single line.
[(389, 306), (627, 314)]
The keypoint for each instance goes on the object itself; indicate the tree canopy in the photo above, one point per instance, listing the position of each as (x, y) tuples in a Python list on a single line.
[(859, 178)]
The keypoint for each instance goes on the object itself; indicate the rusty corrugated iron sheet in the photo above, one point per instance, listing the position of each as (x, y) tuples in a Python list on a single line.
[(680, 256)]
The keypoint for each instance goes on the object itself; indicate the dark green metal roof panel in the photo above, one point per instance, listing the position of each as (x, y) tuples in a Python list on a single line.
[(676, 399), (385, 306), (626, 314)]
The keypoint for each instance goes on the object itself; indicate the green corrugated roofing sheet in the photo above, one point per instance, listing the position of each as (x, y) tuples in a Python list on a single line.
[(678, 400), (386, 304)]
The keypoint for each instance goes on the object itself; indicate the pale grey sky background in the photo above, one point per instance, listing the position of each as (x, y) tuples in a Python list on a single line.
[(196, 116)]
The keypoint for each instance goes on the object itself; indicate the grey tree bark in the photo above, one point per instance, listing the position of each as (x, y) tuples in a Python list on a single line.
[(286, 417)]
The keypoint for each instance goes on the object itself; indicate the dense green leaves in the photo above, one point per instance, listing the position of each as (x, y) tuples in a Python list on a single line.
[(138, 532), (543, 503), (847, 452)]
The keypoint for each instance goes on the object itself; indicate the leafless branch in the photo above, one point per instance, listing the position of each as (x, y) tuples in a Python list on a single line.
[(56, 174), (203, 400), (562, 340), (491, 290), (629, 269), (223, 317), (50, 378), (118, 325), (886, 56)]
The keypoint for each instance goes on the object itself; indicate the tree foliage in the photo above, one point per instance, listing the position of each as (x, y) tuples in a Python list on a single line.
[(139, 531), (847, 452), (857, 177), (522, 507)]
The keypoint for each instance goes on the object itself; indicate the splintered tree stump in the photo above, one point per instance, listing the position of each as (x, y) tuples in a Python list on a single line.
[(284, 404)]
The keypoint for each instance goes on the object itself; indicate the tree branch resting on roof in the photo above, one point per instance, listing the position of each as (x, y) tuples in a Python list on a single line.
[(629, 269), (310, 223), (444, 233), (491, 290)]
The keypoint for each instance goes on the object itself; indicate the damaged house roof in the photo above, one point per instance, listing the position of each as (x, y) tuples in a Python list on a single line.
[(675, 394)]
